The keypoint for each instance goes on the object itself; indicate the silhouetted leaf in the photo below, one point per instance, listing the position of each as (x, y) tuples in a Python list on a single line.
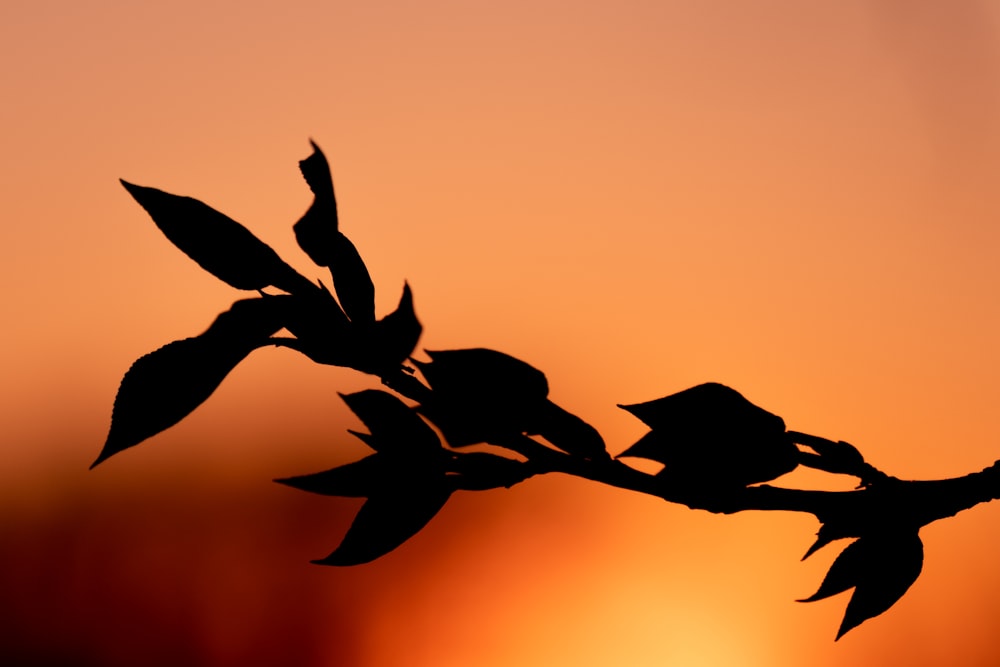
[(478, 471), (836, 457), (386, 521), (405, 481), (568, 432), (316, 170), (845, 571), (352, 281), (358, 479), (710, 435), (880, 567), (395, 427), (843, 453), (318, 236), (891, 572), (316, 229), (482, 395), (493, 374), (395, 336), (164, 386), (251, 321), (219, 244)]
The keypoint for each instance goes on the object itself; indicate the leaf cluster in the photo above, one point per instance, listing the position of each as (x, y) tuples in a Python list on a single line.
[(164, 386), (717, 448)]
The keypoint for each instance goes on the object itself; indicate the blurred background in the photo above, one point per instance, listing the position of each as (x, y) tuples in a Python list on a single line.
[(795, 199)]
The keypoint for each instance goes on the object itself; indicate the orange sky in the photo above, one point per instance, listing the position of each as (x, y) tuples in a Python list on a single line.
[(795, 199)]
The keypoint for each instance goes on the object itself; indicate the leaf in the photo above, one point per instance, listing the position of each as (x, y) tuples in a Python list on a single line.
[(890, 573), (710, 405), (219, 244), (166, 385), (316, 170), (318, 226), (568, 432), (351, 280), (385, 522), (318, 235), (366, 438), (251, 321), (358, 479), (481, 395), (396, 335), (395, 427), (880, 568), (710, 435)]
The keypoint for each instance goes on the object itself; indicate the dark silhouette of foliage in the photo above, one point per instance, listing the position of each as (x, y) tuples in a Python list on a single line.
[(717, 448), (220, 245), (709, 437), (407, 480), (879, 567), (481, 395), (319, 237), (163, 387)]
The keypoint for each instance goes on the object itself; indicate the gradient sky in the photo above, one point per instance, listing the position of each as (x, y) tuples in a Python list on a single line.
[(795, 199)]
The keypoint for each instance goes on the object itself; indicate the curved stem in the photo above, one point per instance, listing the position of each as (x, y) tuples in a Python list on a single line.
[(883, 501), (887, 502)]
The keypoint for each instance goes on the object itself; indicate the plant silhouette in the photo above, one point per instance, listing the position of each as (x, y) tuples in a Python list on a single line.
[(717, 448)]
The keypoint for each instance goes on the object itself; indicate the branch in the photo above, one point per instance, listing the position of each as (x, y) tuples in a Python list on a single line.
[(889, 502), (718, 450)]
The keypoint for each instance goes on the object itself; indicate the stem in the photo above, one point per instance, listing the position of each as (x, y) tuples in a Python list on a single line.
[(890, 502), (884, 501)]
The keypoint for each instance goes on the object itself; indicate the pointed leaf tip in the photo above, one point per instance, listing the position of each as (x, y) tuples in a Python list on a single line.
[(821, 541), (316, 231), (357, 479)]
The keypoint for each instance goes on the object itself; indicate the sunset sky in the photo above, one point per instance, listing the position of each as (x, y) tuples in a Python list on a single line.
[(798, 200)]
